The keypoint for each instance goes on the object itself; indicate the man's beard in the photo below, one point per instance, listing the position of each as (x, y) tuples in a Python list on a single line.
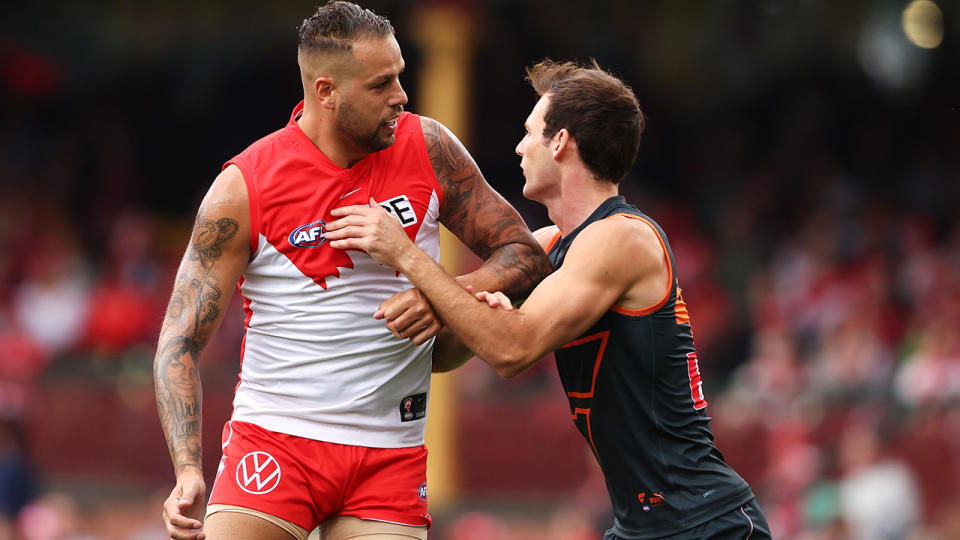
[(350, 121)]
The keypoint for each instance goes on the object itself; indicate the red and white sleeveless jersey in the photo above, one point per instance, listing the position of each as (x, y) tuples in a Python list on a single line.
[(315, 363)]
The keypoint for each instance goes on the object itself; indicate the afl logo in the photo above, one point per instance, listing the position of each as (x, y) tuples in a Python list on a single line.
[(309, 235), (407, 405), (422, 492), (258, 473)]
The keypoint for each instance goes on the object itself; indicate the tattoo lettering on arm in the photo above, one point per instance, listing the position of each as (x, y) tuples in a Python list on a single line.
[(480, 217), (191, 317), (178, 400)]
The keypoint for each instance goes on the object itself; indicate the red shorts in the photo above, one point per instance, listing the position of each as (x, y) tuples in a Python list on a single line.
[(306, 481)]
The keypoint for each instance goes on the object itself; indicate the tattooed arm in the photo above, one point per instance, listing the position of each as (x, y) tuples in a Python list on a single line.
[(483, 220), (218, 252), (513, 260)]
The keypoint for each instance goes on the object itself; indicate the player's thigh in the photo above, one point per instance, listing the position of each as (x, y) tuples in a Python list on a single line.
[(352, 528), (228, 525)]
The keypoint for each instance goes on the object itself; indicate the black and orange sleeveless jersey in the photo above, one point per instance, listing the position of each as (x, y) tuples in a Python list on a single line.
[(635, 394)]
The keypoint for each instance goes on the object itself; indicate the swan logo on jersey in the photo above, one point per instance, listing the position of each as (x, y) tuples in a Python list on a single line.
[(309, 235), (413, 407), (258, 473)]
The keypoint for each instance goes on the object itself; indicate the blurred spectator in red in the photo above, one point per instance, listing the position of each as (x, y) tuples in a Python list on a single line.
[(793, 468), (123, 305), (22, 360)]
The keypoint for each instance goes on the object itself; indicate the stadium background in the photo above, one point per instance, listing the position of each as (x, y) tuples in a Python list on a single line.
[(801, 155)]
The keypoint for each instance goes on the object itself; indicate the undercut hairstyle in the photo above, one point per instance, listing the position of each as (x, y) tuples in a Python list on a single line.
[(598, 109), (335, 26)]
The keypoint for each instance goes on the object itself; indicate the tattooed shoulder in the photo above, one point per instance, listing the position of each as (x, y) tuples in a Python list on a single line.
[(208, 238), (455, 170)]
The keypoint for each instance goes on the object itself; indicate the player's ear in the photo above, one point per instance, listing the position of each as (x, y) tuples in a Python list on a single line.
[(560, 143), (324, 88)]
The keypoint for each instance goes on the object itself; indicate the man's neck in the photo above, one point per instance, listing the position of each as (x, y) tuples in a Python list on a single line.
[(578, 198), (322, 133)]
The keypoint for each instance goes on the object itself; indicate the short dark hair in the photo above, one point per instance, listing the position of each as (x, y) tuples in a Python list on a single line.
[(336, 25), (599, 110)]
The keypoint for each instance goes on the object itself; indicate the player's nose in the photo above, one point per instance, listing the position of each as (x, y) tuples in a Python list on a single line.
[(399, 96)]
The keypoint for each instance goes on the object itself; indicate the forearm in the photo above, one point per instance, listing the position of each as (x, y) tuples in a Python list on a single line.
[(179, 397), (449, 352), (514, 268), (480, 329), (191, 317)]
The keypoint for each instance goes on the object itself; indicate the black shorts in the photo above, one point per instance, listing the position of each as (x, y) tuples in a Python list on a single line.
[(746, 522)]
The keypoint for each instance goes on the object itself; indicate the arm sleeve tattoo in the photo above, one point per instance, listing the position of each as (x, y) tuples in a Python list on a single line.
[(192, 315)]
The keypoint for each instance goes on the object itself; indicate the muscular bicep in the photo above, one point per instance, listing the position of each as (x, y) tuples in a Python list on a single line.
[(215, 257), (478, 215), (566, 304), (605, 265)]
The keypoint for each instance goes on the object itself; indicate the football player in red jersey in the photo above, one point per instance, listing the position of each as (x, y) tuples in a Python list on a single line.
[(317, 434)]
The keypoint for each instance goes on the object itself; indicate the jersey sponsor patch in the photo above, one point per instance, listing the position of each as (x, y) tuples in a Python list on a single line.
[(309, 235), (401, 208), (413, 407), (650, 501), (258, 473)]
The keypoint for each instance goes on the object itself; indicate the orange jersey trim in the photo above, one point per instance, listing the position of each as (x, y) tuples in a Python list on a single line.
[(586, 412), (553, 242), (680, 309), (666, 295), (603, 337)]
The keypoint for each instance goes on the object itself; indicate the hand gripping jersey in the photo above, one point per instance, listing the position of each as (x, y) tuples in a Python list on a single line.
[(315, 363), (633, 384)]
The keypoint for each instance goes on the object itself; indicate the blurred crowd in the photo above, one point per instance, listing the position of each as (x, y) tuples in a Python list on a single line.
[(814, 220)]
